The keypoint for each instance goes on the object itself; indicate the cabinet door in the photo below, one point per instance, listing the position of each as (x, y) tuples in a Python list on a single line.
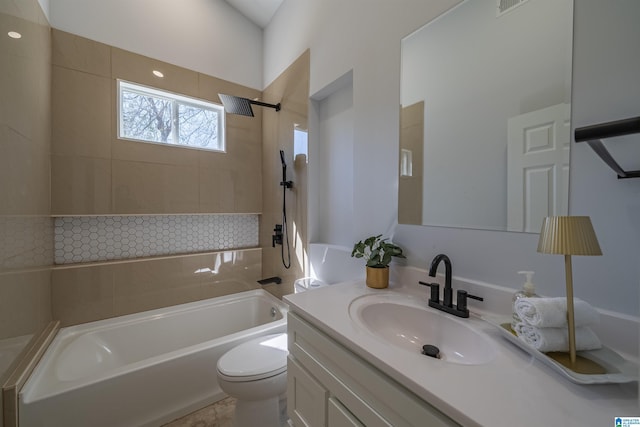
[(339, 416), (306, 398)]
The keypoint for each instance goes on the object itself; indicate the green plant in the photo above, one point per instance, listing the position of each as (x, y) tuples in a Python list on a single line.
[(376, 251)]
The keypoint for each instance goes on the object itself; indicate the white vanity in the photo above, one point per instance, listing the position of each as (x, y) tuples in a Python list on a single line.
[(328, 385), (344, 371)]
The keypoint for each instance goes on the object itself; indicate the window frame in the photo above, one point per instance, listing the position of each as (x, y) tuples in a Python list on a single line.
[(176, 100)]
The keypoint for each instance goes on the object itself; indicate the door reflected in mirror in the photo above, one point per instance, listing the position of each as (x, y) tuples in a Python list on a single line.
[(485, 109)]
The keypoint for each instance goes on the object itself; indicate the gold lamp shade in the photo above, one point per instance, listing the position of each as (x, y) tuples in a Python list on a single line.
[(568, 235)]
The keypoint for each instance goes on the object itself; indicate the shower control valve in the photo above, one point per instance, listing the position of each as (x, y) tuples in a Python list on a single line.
[(276, 239)]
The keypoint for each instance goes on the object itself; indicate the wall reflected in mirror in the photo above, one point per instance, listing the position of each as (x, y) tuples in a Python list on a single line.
[(485, 110)]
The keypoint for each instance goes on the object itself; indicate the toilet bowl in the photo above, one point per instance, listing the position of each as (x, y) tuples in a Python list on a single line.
[(255, 373)]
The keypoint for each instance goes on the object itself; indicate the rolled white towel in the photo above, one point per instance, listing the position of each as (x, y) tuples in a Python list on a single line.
[(552, 312), (557, 339)]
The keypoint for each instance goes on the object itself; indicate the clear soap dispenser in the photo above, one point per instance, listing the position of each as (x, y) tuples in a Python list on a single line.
[(527, 291)]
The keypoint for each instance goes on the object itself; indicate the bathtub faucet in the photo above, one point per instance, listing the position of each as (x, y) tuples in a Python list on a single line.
[(276, 239)]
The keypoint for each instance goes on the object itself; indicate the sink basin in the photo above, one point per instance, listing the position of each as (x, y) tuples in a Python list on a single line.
[(407, 324)]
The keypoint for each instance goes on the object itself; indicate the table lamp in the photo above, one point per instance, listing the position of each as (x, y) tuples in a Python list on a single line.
[(570, 235)]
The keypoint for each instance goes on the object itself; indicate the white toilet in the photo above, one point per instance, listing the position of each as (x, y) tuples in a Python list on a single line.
[(255, 373)]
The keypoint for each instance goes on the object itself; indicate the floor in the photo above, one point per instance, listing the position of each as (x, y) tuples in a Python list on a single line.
[(219, 414)]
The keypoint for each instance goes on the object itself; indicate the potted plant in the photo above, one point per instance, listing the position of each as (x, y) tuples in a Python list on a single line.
[(378, 253)]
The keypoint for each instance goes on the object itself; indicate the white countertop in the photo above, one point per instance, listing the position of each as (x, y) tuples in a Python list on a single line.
[(513, 389)]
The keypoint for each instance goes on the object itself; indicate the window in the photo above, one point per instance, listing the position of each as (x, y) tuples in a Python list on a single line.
[(152, 115), (300, 144), (406, 162)]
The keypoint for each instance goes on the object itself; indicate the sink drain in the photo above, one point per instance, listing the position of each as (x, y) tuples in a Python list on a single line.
[(431, 351)]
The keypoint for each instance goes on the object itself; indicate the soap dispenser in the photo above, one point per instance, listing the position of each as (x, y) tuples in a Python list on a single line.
[(527, 291)]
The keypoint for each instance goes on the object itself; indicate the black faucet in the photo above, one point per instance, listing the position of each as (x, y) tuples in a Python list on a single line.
[(446, 305), (448, 293)]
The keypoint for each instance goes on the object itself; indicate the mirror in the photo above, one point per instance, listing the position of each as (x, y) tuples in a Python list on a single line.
[(485, 108)]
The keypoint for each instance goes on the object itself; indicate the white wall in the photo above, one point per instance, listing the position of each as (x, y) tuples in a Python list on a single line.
[(364, 36), (606, 87), (207, 36), (334, 163), (45, 5)]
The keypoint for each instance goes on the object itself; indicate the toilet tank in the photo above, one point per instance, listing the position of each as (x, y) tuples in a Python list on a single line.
[(333, 264)]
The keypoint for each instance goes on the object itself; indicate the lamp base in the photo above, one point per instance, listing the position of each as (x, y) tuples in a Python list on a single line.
[(582, 365)]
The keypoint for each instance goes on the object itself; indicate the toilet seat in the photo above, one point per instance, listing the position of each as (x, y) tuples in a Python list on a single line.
[(256, 359)]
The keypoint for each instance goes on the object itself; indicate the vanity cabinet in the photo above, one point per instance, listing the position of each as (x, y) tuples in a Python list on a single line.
[(330, 386)]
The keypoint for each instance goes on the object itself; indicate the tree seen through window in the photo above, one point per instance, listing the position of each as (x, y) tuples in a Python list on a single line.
[(151, 115)]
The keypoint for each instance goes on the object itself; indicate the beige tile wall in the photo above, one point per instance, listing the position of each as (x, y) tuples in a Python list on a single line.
[(25, 302), (291, 89), (94, 172), (410, 187), (25, 113), (85, 293), (26, 239)]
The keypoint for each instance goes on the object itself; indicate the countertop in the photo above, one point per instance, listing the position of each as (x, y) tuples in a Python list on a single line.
[(513, 389)]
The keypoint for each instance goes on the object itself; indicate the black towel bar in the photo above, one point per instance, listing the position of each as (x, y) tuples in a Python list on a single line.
[(594, 133)]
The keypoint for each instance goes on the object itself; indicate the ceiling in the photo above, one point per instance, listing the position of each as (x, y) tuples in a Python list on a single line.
[(259, 12)]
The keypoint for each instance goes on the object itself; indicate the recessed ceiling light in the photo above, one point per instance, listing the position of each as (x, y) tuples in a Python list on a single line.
[(14, 35), (158, 73)]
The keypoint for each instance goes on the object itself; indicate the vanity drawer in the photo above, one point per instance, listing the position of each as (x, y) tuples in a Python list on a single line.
[(371, 396), (339, 416)]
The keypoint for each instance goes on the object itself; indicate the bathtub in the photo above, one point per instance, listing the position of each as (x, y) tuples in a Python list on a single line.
[(143, 369), (333, 263)]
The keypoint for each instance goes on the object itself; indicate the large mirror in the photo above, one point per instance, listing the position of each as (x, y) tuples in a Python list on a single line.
[(485, 107)]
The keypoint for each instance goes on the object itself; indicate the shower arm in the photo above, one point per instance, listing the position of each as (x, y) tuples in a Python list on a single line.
[(264, 104)]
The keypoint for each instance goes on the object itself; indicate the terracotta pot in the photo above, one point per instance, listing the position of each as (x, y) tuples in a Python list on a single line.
[(378, 277)]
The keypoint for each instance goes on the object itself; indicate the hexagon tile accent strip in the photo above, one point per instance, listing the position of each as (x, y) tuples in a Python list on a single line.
[(108, 238)]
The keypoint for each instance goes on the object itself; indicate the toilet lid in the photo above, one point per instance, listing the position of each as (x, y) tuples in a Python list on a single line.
[(258, 358)]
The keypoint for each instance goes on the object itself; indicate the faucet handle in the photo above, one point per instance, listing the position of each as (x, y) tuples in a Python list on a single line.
[(475, 297), (435, 291), (461, 300)]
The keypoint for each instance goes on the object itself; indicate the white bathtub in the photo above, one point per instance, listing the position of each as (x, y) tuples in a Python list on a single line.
[(334, 264), (143, 369)]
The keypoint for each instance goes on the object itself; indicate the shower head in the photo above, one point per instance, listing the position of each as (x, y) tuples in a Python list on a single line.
[(242, 106)]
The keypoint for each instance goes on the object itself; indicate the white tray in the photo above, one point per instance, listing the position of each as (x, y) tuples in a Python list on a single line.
[(619, 370)]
